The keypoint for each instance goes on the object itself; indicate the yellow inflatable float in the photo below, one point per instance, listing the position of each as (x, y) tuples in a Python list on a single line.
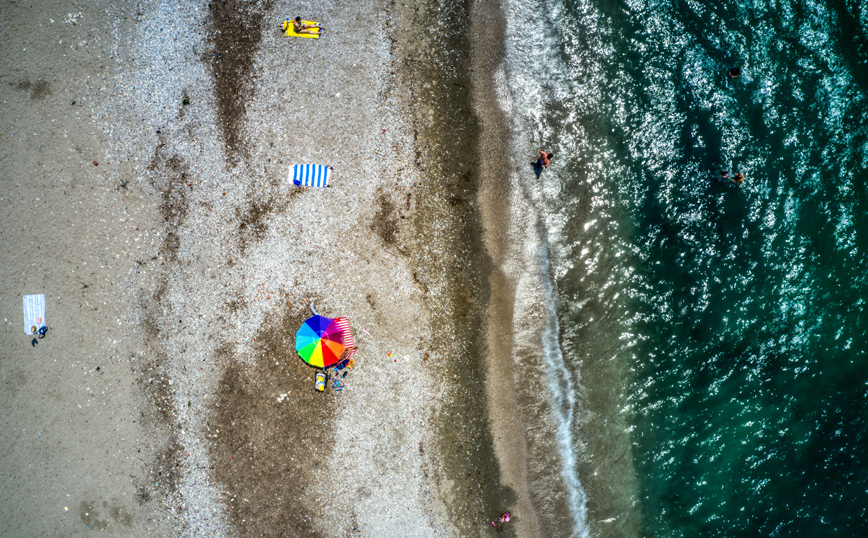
[(289, 29)]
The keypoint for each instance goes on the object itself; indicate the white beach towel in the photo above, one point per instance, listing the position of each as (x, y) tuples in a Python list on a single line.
[(34, 313), (311, 175)]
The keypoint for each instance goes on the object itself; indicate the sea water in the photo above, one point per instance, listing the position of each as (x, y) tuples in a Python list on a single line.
[(709, 337)]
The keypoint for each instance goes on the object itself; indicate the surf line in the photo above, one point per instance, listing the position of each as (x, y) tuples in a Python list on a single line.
[(562, 391)]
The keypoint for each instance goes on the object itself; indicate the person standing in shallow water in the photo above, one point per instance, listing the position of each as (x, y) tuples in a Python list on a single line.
[(545, 159)]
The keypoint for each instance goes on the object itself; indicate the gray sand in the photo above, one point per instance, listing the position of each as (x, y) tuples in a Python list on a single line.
[(77, 449)]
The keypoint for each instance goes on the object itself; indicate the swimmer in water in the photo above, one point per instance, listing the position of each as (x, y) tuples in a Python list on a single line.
[(739, 177), (734, 72)]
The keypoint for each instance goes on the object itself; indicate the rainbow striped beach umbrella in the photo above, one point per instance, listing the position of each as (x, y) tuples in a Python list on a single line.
[(320, 341)]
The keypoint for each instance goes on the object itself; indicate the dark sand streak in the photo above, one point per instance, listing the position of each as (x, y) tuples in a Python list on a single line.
[(268, 456), (447, 155), (169, 178), (236, 34)]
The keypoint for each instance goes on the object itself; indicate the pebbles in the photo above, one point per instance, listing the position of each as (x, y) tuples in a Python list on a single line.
[(239, 244)]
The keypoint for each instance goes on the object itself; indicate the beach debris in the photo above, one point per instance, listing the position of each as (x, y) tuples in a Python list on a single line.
[(282, 397), (95, 163)]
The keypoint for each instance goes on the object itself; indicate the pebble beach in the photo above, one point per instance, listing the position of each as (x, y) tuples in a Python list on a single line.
[(624, 343), (145, 155)]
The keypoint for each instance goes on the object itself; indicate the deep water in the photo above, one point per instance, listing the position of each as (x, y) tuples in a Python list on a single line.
[(719, 327)]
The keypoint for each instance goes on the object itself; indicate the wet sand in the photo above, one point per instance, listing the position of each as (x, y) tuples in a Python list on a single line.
[(167, 398), (508, 430), (521, 402)]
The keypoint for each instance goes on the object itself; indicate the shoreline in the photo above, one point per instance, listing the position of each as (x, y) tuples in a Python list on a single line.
[(523, 323), (509, 441), (596, 451)]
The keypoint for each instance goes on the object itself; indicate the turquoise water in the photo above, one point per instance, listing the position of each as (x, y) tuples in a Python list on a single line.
[(731, 317)]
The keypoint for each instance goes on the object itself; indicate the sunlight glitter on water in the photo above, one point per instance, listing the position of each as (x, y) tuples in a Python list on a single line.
[(720, 296)]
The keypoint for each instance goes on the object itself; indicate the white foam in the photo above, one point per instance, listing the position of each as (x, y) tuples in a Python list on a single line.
[(563, 392), (533, 76)]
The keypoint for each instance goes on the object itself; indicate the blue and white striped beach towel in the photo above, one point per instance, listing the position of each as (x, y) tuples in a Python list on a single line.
[(311, 175), (34, 313)]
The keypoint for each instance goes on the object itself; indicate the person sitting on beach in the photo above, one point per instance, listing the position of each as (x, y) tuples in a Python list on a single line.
[(739, 177), (502, 519), (544, 159), (301, 28)]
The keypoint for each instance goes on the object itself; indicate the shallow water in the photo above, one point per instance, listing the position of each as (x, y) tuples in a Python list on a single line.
[(716, 332)]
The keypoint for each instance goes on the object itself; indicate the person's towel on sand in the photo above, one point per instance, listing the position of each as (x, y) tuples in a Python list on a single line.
[(310, 175), (34, 313)]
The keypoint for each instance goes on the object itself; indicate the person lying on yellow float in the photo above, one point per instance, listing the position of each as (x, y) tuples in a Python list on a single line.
[(300, 28)]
